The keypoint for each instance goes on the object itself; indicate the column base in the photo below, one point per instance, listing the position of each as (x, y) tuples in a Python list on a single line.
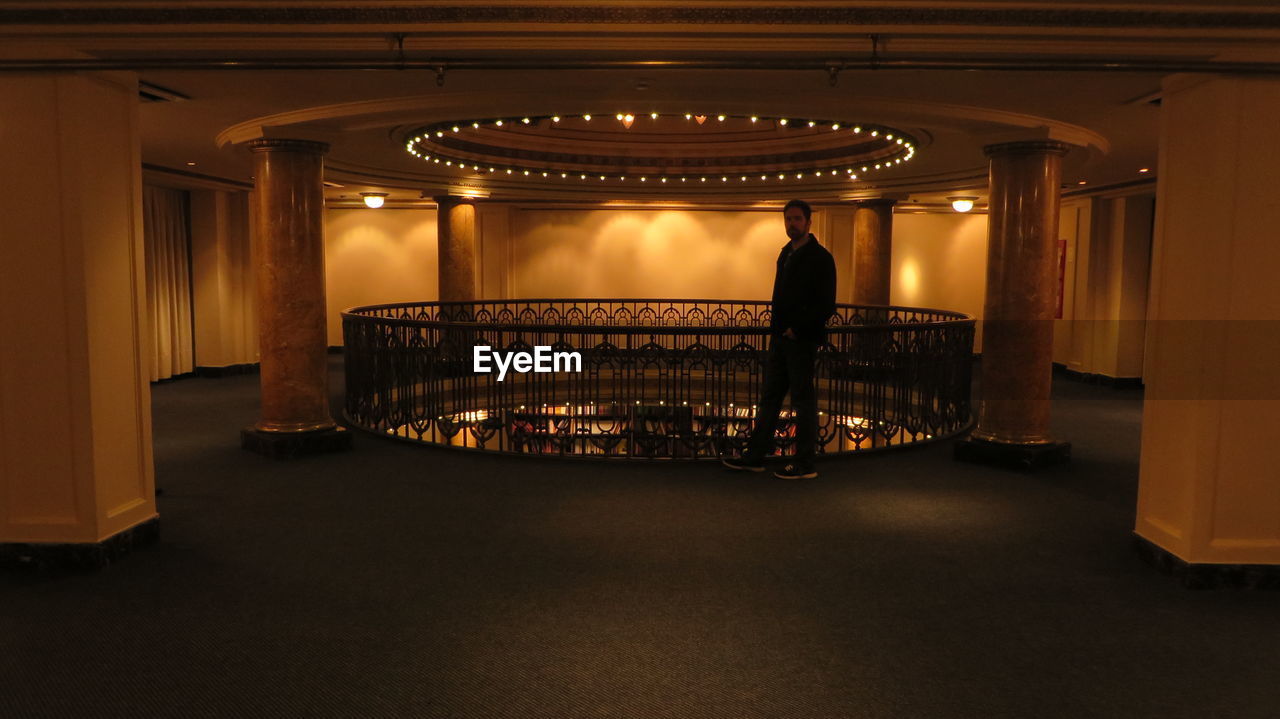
[(1027, 457), (291, 445), (1207, 576), (81, 556)]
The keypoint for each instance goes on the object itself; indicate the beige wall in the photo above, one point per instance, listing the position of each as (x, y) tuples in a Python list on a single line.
[(1108, 264), (940, 261), (644, 253), (376, 256)]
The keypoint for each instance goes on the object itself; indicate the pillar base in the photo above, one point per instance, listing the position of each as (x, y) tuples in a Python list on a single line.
[(291, 445), (1027, 457), (1207, 576), (81, 556)]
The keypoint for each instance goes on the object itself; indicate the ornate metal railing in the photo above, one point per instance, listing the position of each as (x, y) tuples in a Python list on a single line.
[(659, 378)]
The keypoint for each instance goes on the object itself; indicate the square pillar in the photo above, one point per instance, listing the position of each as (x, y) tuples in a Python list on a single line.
[(1208, 491), (76, 472)]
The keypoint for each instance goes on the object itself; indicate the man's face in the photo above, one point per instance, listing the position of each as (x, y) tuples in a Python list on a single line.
[(797, 223)]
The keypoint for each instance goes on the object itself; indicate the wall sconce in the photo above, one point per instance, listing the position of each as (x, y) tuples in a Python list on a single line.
[(962, 203), (373, 200)]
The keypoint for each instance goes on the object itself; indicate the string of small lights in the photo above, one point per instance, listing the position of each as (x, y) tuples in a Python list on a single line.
[(902, 148)]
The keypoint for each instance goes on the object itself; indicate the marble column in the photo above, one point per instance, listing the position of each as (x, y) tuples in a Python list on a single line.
[(872, 251), (1017, 345), (456, 238), (289, 225)]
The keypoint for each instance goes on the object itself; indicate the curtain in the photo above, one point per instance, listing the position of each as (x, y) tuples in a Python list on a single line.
[(166, 235)]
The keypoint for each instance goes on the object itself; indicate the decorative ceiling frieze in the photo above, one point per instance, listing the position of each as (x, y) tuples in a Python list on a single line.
[(595, 14)]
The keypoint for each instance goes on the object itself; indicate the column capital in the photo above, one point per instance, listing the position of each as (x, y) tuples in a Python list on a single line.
[(876, 202), (451, 200), (271, 144), (1027, 147)]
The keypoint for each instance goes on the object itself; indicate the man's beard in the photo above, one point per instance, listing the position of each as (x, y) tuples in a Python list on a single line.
[(796, 234)]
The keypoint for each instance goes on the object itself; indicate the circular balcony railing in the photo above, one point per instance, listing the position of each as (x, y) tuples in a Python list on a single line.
[(673, 379)]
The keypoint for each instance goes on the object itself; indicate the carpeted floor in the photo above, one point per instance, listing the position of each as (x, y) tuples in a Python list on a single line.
[(402, 581)]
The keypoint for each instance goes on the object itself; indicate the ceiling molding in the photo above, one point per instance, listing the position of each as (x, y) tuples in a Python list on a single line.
[(406, 16)]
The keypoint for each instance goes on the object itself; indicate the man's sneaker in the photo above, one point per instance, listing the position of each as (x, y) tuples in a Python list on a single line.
[(796, 471), (746, 464)]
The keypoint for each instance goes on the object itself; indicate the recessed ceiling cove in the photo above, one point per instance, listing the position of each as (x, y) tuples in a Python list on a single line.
[(673, 150)]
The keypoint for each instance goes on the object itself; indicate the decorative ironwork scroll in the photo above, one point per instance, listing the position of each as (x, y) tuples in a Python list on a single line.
[(659, 379)]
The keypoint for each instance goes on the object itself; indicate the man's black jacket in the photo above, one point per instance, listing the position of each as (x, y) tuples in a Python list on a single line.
[(804, 291)]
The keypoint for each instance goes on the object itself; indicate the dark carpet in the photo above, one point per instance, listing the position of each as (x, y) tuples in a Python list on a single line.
[(403, 581)]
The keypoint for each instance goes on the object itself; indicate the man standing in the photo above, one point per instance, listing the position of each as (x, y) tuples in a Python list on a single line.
[(804, 297)]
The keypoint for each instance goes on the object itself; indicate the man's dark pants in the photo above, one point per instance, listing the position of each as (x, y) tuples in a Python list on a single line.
[(789, 367)]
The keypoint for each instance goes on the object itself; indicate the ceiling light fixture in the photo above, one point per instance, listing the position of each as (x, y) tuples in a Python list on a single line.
[(962, 203), (373, 200), (896, 148)]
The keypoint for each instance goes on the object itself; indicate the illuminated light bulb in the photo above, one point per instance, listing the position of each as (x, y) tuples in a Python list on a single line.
[(864, 168), (835, 126), (525, 120), (373, 200), (498, 123), (476, 125), (888, 137), (664, 179), (780, 175), (602, 178), (764, 177), (799, 175), (508, 171), (682, 179), (587, 118), (704, 179), (899, 140), (653, 116), (962, 203), (875, 132), (642, 179), (475, 167), (544, 174), (724, 179), (584, 177), (491, 169), (627, 120), (439, 134), (526, 173), (744, 178), (877, 167), (622, 178), (853, 177), (720, 118), (687, 116), (564, 174), (450, 162), (783, 121), (857, 129), (812, 123), (555, 118), (754, 118), (619, 116), (437, 161), (455, 128), (1144, 169)]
